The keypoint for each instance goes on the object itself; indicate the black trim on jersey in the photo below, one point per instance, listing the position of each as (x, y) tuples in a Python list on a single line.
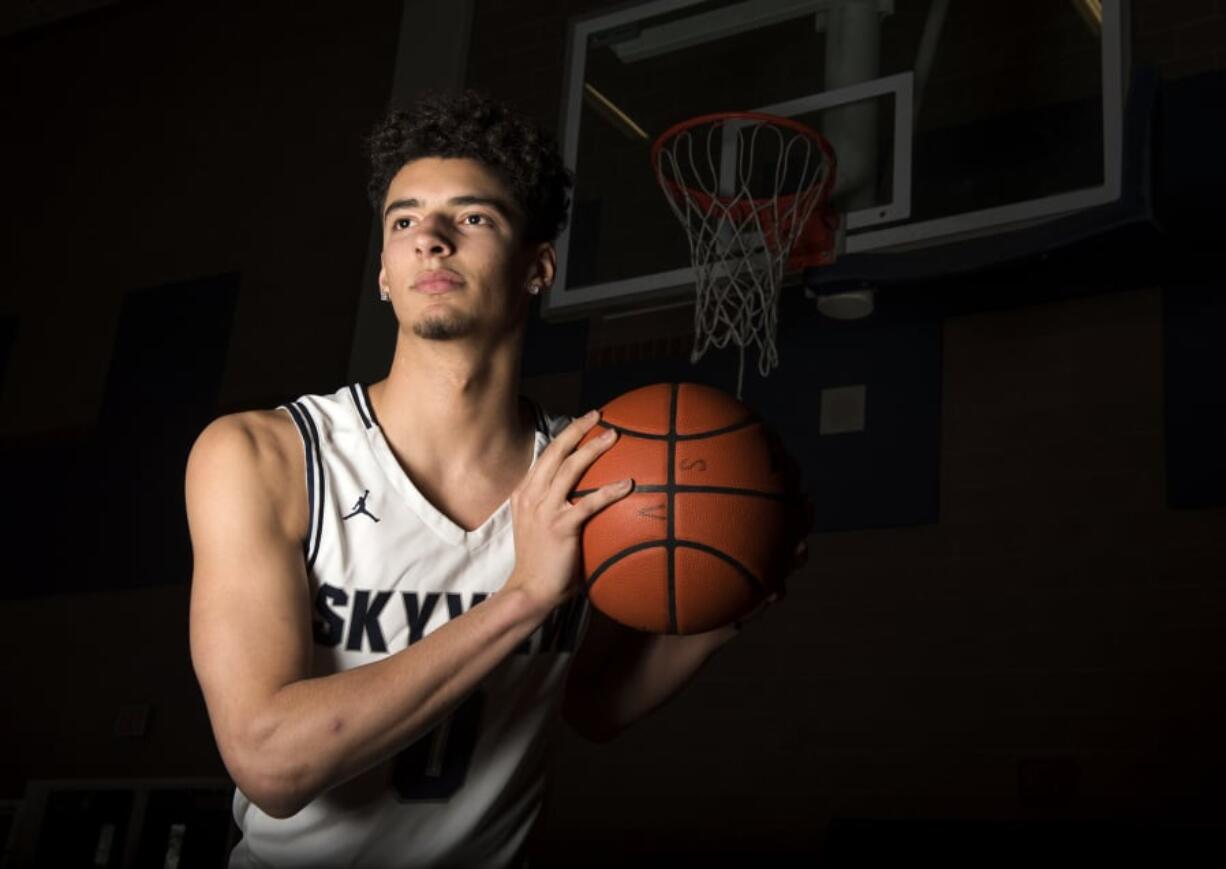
[(370, 407), (542, 423), (317, 521), (305, 434), (357, 402)]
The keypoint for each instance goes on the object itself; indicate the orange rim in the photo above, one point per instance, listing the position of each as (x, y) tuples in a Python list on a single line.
[(823, 145)]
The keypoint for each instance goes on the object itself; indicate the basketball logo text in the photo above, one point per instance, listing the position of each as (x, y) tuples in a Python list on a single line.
[(655, 511)]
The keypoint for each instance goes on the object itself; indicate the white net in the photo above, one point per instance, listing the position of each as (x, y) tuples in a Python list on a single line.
[(744, 186)]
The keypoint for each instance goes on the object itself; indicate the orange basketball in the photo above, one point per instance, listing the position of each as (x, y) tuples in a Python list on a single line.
[(710, 527)]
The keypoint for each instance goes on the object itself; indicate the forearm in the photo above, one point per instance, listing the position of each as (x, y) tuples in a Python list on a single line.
[(641, 675), (319, 732)]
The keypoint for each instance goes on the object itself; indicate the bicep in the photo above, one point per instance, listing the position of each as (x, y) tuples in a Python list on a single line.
[(250, 607)]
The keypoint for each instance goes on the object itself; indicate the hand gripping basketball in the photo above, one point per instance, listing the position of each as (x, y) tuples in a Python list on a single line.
[(547, 527), (713, 525)]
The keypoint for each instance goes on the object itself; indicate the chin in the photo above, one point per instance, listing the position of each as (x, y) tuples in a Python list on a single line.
[(443, 328)]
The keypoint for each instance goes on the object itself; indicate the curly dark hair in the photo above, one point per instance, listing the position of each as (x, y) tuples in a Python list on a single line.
[(472, 125)]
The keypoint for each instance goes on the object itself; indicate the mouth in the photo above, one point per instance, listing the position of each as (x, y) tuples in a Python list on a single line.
[(434, 282)]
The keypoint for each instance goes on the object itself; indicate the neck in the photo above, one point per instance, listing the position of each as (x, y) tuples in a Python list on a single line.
[(451, 407)]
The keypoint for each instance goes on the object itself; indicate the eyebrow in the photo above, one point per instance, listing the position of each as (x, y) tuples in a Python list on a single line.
[(500, 205)]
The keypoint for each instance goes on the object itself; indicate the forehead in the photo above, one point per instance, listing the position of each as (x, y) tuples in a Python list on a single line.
[(440, 178)]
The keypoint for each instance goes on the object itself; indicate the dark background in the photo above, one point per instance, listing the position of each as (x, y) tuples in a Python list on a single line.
[(1008, 643)]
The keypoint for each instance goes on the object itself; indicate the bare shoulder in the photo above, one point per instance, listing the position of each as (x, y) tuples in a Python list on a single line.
[(266, 431), (263, 442), (256, 452)]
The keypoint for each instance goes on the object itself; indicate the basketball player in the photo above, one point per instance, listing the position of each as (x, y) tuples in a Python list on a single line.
[(384, 611)]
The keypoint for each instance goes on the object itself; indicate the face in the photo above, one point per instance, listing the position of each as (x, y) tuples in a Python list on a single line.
[(454, 262)]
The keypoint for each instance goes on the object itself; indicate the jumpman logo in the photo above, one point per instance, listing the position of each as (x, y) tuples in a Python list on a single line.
[(360, 507)]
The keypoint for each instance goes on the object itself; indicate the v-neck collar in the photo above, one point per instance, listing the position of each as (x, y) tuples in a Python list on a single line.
[(403, 485)]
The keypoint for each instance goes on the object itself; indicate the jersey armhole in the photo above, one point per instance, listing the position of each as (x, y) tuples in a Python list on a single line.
[(305, 424), (550, 425)]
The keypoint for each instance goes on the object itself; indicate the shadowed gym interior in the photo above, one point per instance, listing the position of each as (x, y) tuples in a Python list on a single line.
[(1007, 642)]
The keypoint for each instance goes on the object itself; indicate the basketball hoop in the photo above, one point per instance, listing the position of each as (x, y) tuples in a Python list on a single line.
[(752, 191)]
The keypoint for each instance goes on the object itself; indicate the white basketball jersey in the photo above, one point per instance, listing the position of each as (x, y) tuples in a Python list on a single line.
[(386, 568)]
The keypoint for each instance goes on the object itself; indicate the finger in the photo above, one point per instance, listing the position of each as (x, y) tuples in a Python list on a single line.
[(593, 502), (576, 464), (543, 470)]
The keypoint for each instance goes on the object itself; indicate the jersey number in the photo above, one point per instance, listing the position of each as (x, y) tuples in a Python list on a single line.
[(434, 767)]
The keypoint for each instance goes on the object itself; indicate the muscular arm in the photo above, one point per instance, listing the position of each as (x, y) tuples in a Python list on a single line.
[(285, 737)]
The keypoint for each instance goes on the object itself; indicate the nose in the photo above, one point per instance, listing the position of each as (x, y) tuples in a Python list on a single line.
[(431, 239)]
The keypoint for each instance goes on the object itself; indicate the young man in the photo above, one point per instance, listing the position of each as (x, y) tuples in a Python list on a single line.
[(383, 648)]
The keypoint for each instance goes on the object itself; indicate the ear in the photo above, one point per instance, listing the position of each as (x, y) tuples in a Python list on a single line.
[(384, 290), (544, 265)]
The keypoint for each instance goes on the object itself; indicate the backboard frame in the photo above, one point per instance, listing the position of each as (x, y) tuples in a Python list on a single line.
[(561, 301)]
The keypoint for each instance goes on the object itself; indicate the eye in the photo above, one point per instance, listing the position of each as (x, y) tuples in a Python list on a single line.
[(401, 223), (476, 220)]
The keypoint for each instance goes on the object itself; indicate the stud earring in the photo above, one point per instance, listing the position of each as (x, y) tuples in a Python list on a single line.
[(383, 294), (534, 287)]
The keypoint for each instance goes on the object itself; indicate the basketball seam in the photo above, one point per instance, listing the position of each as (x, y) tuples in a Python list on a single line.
[(744, 571), (624, 553), (674, 392), (676, 436), (698, 490)]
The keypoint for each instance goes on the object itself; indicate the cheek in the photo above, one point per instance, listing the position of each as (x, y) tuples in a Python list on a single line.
[(397, 252), (497, 266)]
